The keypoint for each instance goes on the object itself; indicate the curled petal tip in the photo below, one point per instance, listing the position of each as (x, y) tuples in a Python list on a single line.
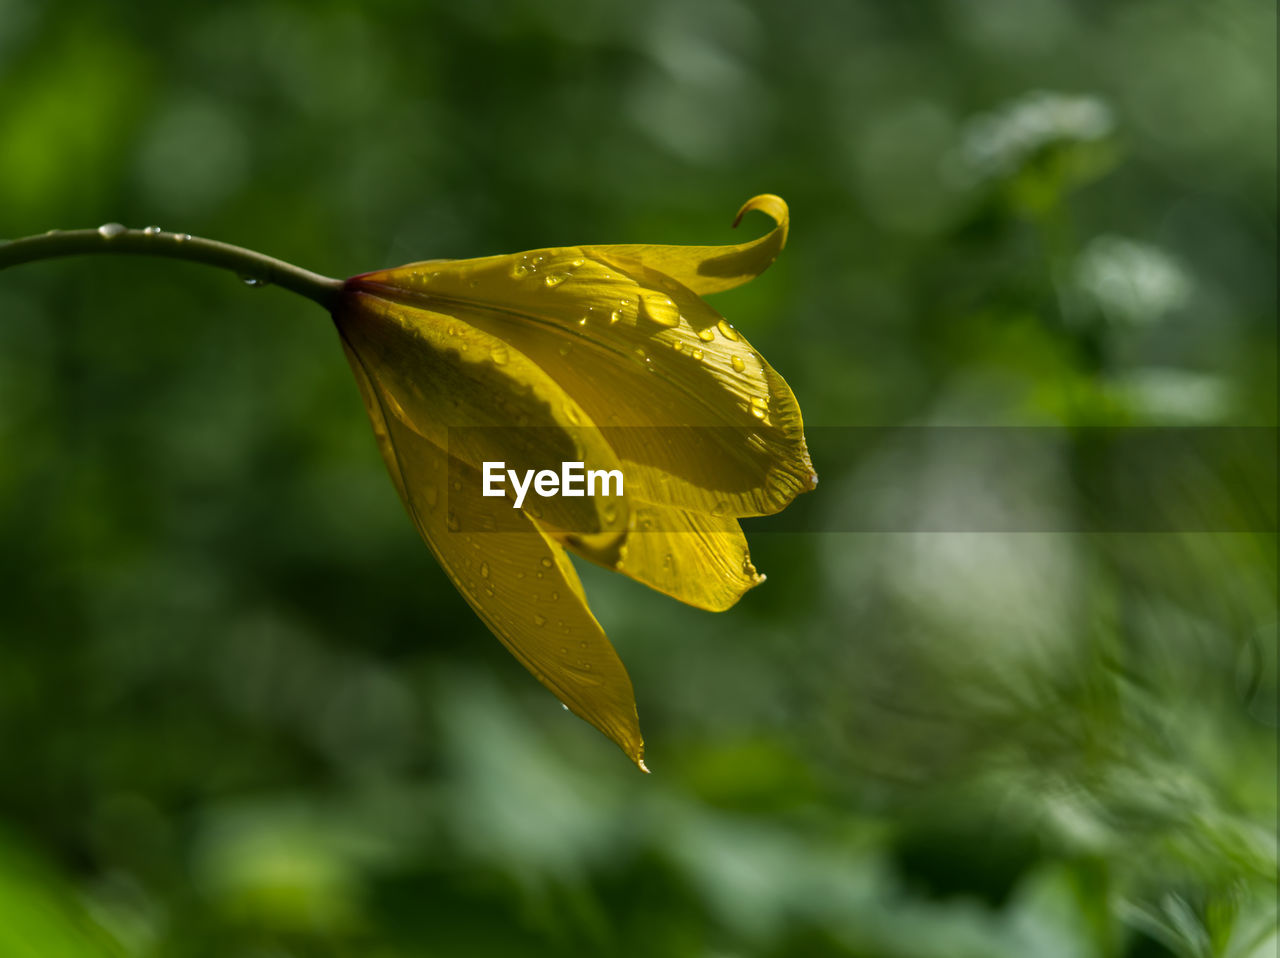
[(773, 205), (642, 766)]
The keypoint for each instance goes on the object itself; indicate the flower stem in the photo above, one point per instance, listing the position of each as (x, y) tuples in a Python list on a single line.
[(253, 267)]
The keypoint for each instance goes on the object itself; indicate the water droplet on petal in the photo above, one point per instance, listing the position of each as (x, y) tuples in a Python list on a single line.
[(659, 309), (738, 364), (555, 279), (546, 562), (696, 354), (182, 237), (706, 335), (677, 345), (727, 331), (499, 355), (484, 570), (640, 353), (112, 230), (571, 414), (152, 230), (452, 523), (539, 619)]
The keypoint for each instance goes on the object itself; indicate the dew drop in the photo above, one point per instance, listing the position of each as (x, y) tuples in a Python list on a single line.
[(182, 237), (577, 262), (539, 619), (152, 230), (571, 414), (696, 354), (659, 309), (255, 281), (738, 364), (546, 562), (640, 353), (555, 279), (706, 335), (521, 268), (727, 331), (452, 523), (111, 230), (499, 355), (678, 345), (610, 514), (555, 596), (757, 412), (669, 562), (484, 570)]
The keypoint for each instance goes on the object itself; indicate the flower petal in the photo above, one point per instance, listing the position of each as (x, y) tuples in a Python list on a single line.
[(645, 358), (709, 269), (701, 560), (521, 584), (480, 399)]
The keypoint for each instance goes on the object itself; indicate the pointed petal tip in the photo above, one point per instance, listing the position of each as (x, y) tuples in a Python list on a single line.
[(642, 766)]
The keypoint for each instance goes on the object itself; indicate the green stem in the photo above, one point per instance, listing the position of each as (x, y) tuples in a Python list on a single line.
[(253, 267)]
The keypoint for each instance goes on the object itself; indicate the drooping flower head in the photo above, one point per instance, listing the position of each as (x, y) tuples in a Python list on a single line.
[(604, 355)]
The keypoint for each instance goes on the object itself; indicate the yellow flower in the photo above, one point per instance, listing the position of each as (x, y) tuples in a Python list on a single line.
[(604, 355)]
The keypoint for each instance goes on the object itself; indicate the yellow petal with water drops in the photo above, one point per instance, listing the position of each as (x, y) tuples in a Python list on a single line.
[(520, 583), (701, 560), (709, 269), (481, 399), (381, 431), (645, 358)]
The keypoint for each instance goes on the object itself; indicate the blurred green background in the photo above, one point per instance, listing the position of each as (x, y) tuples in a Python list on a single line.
[(242, 713)]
